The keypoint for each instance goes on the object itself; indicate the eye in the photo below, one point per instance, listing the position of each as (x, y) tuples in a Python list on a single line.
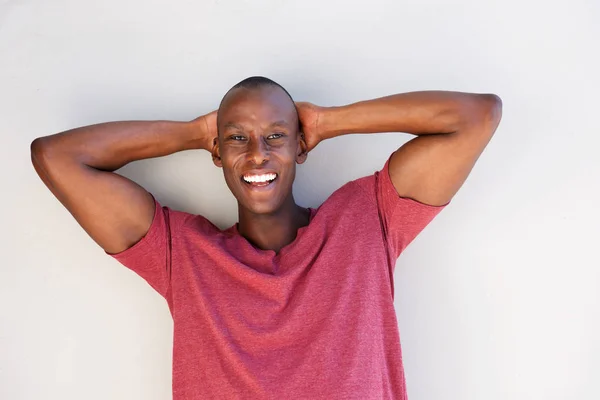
[(237, 138), (276, 135)]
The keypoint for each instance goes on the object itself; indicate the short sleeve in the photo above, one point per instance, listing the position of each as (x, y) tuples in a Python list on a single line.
[(151, 256), (402, 218)]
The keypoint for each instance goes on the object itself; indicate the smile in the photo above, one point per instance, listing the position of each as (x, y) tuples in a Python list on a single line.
[(259, 180)]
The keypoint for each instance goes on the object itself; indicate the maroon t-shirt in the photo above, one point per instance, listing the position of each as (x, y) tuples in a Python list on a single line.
[(315, 321)]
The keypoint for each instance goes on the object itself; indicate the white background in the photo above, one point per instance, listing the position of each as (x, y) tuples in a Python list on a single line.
[(496, 299)]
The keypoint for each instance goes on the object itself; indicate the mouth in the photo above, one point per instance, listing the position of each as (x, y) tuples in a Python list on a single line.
[(259, 181)]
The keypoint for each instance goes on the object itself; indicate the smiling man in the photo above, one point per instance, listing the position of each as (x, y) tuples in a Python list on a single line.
[(259, 144), (290, 302)]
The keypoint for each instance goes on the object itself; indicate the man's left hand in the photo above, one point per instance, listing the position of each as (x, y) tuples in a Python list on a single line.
[(309, 115)]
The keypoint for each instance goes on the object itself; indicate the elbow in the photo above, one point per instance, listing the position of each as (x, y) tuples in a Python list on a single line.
[(36, 149), (480, 113), (36, 146), (492, 108), (39, 149), (488, 112)]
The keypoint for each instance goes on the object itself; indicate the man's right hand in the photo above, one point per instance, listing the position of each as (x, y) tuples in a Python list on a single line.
[(207, 124)]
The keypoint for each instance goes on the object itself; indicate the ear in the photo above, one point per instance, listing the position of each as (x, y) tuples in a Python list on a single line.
[(216, 155), (301, 153)]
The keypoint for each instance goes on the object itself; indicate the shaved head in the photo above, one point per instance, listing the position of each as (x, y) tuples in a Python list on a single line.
[(259, 135), (254, 83)]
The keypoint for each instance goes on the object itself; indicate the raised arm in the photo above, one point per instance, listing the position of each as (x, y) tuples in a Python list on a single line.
[(453, 129), (77, 166)]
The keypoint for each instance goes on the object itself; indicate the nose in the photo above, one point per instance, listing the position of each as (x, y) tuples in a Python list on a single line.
[(258, 151)]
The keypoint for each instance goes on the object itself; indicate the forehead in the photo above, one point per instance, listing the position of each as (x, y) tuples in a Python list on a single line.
[(262, 105)]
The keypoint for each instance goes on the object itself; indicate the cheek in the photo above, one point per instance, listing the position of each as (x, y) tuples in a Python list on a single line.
[(230, 158), (231, 178), (228, 165)]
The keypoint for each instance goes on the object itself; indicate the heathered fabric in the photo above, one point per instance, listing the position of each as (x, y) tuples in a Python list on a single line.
[(316, 321)]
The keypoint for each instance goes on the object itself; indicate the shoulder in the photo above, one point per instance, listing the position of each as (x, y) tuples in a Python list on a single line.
[(362, 188), (357, 194), (183, 222)]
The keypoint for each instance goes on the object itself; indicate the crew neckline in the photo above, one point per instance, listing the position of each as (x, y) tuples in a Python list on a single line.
[(285, 249)]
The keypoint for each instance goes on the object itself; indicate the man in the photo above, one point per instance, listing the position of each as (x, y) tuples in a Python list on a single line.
[(290, 302)]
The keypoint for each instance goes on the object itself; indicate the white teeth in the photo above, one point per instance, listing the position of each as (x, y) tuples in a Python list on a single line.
[(259, 178)]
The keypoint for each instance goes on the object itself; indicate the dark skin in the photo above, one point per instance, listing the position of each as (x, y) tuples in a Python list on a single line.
[(258, 133), (78, 165)]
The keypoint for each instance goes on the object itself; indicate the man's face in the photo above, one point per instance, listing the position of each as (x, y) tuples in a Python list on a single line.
[(259, 146)]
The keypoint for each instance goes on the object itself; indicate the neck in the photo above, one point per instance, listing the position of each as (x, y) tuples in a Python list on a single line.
[(275, 230)]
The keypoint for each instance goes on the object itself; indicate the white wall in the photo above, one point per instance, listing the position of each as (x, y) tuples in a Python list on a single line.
[(498, 297)]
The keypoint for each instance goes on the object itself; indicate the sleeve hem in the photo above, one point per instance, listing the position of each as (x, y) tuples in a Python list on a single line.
[(149, 237), (387, 182)]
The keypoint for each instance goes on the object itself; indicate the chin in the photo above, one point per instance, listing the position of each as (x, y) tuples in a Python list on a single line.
[(259, 207), (263, 200)]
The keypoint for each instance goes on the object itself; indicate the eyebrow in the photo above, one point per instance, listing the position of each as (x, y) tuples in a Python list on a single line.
[(281, 123), (233, 125)]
